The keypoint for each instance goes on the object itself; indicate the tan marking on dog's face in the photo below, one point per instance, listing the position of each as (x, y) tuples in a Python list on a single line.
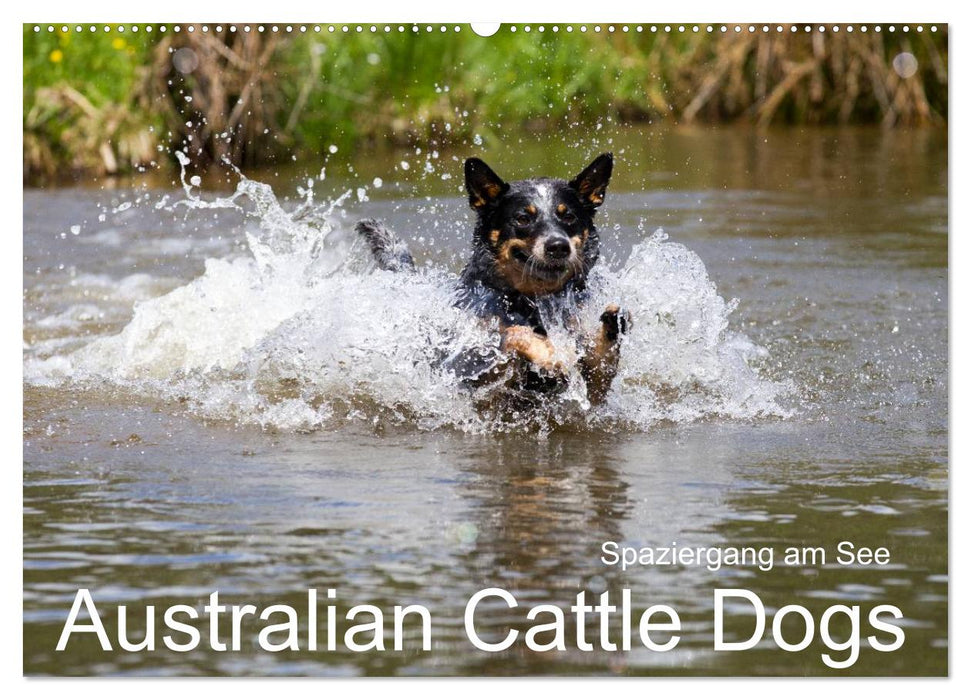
[(580, 239), (478, 202), (505, 261), (560, 208), (494, 236), (531, 209)]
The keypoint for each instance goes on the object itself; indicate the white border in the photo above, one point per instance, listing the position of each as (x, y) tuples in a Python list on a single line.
[(832, 11)]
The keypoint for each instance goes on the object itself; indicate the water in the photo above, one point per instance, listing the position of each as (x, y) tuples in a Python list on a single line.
[(220, 397)]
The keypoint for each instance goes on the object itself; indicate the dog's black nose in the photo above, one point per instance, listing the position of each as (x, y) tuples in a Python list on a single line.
[(557, 248)]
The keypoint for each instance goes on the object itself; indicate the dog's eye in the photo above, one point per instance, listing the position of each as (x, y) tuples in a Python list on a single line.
[(522, 220), (568, 217)]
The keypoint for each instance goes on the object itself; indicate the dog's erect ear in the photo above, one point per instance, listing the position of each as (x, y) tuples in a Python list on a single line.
[(484, 186), (591, 184)]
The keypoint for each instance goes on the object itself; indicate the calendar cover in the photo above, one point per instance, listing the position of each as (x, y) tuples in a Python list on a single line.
[(546, 349)]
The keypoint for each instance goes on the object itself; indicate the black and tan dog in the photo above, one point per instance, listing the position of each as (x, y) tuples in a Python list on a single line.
[(533, 247)]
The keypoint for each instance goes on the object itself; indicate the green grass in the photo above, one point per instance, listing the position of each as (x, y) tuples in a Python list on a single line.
[(101, 101), (84, 109)]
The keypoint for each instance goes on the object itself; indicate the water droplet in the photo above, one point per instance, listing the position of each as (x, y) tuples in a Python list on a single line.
[(905, 64), (467, 533), (185, 60)]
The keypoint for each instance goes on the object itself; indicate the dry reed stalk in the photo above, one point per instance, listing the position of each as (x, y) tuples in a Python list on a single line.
[(234, 97), (103, 140), (815, 77)]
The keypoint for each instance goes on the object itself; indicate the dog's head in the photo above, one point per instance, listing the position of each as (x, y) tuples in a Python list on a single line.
[(538, 234)]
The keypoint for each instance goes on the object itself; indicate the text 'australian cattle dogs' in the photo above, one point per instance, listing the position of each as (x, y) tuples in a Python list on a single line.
[(533, 247)]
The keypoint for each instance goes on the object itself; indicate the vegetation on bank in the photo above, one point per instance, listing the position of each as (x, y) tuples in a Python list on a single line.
[(105, 102)]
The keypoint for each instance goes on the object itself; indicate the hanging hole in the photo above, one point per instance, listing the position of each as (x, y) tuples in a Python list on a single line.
[(485, 28)]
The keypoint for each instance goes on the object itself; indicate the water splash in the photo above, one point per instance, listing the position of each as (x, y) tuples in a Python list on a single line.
[(301, 334)]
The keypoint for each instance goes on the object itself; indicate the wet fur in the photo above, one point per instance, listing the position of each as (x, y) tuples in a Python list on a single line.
[(534, 243), (389, 252)]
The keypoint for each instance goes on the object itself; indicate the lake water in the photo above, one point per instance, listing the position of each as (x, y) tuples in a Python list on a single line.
[(273, 420)]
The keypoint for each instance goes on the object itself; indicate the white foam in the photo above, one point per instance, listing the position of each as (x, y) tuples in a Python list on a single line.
[(300, 334)]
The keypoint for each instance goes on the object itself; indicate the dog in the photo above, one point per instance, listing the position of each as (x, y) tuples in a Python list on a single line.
[(533, 247)]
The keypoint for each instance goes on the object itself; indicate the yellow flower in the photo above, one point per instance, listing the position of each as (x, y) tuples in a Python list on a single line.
[(118, 43), (57, 56)]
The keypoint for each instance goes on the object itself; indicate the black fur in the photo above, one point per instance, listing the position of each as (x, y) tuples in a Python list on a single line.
[(533, 246), (389, 253), (489, 290)]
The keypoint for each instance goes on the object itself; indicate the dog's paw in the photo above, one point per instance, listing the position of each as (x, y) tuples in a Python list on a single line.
[(547, 378), (616, 322), (557, 370)]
